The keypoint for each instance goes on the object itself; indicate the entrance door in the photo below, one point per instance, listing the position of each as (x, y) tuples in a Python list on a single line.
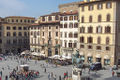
[(98, 59), (49, 52), (56, 51)]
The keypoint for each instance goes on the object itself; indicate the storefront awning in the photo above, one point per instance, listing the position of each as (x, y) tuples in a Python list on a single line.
[(106, 57), (98, 56)]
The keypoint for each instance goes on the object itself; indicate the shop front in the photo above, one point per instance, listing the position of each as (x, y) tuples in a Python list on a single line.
[(98, 58)]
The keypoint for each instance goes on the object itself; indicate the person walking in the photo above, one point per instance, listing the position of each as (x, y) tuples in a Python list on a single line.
[(6, 77), (55, 77), (113, 73), (59, 77), (45, 70), (48, 76)]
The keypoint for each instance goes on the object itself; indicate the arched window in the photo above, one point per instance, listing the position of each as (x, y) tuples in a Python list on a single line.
[(99, 18), (90, 40), (82, 39), (71, 18), (82, 19), (90, 19), (108, 18), (31, 33), (14, 33), (82, 29), (75, 35), (8, 33), (20, 34), (107, 40), (70, 35), (99, 29), (90, 29), (99, 40), (108, 29), (71, 25), (56, 17), (65, 25)]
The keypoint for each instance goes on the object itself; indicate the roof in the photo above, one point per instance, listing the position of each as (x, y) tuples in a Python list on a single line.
[(20, 17), (70, 13), (73, 3), (35, 24)]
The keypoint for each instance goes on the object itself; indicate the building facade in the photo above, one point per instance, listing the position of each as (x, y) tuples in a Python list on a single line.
[(15, 34), (99, 31), (69, 32), (49, 39)]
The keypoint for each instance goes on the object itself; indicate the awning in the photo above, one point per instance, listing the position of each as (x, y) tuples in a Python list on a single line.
[(106, 57), (98, 56), (89, 55), (81, 53)]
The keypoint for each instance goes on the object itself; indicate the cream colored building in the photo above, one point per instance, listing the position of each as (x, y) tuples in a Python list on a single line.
[(15, 34), (48, 41), (99, 31)]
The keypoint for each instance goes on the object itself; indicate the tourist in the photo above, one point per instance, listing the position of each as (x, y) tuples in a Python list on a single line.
[(59, 77), (113, 73), (48, 76), (6, 77), (55, 78)]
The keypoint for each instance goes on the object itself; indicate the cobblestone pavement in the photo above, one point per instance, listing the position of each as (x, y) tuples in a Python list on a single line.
[(58, 71)]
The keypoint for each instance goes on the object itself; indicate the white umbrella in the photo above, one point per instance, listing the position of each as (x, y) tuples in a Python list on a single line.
[(25, 52), (35, 54)]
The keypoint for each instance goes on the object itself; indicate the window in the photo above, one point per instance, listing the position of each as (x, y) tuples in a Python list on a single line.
[(81, 39), (43, 18), (65, 25), (25, 28), (25, 20), (56, 34), (43, 34), (70, 35), (98, 40), (109, 5), (28, 21), (70, 45), (19, 34), (75, 45), (75, 17), (99, 6), (75, 35), (107, 41), (65, 44), (82, 30), (108, 18), (49, 18), (49, 27), (61, 25), (71, 18), (21, 20), (56, 27), (14, 28), (90, 7), (14, 41), (38, 33), (99, 18), (108, 29), (31, 33), (12, 20), (99, 29), (14, 34), (107, 48), (65, 34), (98, 47), (90, 19), (71, 25), (65, 18), (89, 47), (20, 40), (82, 19), (49, 34), (8, 33), (25, 33), (82, 8), (61, 34), (81, 46), (8, 42), (75, 25), (8, 27), (16, 20), (90, 29), (43, 27), (19, 28), (61, 18), (90, 40)]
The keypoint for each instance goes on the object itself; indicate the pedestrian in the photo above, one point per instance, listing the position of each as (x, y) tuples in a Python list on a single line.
[(1, 73), (59, 77), (6, 77), (113, 73), (55, 78), (45, 70), (48, 76)]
